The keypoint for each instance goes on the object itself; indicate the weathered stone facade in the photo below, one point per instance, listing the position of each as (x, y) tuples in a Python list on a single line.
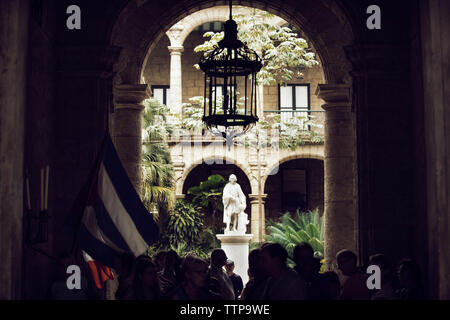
[(160, 70)]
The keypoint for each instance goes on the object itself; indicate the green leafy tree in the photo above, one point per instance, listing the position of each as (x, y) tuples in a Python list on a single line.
[(282, 51), (284, 54), (208, 196), (186, 233), (301, 227), (185, 224), (158, 192)]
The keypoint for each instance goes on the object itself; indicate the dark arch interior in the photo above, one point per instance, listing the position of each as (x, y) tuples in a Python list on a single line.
[(298, 184), (218, 166)]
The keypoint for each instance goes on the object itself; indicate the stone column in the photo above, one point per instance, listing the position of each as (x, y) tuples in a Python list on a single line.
[(434, 23), (257, 217), (388, 161), (175, 95), (339, 213), (127, 132), (13, 41)]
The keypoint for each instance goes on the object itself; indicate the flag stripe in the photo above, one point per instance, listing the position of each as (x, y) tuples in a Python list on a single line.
[(108, 226), (132, 204), (119, 215), (100, 272), (115, 219), (97, 249), (91, 224)]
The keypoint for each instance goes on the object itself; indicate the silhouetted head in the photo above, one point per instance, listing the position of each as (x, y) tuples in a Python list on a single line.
[(254, 263), (145, 272), (160, 258), (229, 266), (346, 261), (409, 274), (194, 270), (303, 253), (380, 260), (218, 258), (170, 259), (273, 258)]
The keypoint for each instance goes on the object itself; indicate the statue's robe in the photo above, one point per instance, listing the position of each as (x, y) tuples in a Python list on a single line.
[(233, 201)]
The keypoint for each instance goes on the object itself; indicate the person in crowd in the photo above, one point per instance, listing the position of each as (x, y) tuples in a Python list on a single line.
[(387, 290), (218, 280), (355, 284), (146, 283), (409, 278), (332, 286), (236, 280), (124, 268), (308, 267), (160, 258), (283, 282), (257, 279), (193, 286), (168, 276)]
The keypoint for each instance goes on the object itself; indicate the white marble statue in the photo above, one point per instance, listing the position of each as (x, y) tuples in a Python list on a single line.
[(234, 204)]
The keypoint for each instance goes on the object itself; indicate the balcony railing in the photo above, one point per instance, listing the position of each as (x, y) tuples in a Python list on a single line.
[(308, 120), (305, 125)]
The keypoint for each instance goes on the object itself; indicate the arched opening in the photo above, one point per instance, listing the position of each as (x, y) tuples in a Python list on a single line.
[(201, 173), (329, 41), (297, 185)]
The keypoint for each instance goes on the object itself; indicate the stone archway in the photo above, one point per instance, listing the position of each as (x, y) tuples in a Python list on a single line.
[(298, 184), (137, 30), (137, 33), (273, 167), (213, 161)]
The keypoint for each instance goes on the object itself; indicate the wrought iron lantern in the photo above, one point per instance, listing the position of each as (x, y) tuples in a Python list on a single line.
[(230, 85)]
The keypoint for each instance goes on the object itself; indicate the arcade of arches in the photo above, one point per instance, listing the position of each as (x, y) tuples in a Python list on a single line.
[(385, 158)]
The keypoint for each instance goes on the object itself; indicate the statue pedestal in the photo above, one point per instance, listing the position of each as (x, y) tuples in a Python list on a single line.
[(235, 245)]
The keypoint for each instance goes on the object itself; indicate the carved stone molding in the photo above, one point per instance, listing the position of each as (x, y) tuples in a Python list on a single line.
[(130, 96), (334, 93)]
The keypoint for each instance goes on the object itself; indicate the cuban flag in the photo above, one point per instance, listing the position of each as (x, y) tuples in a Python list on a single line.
[(115, 220)]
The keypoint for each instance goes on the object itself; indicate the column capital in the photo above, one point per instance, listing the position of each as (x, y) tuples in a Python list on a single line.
[(174, 34), (175, 50), (130, 96), (334, 95), (254, 198)]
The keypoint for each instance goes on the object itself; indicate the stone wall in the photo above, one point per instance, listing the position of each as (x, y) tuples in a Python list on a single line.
[(13, 42), (435, 32), (40, 138)]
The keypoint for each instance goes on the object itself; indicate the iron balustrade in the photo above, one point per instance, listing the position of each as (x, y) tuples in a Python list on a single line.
[(308, 120)]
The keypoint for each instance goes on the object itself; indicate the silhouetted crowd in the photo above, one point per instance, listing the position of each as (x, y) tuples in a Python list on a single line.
[(166, 276)]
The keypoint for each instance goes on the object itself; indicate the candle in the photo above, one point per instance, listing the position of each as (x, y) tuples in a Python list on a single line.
[(27, 182), (42, 189), (47, 170)]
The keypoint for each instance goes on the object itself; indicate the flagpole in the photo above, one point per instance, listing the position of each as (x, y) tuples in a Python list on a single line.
[(91, 180)]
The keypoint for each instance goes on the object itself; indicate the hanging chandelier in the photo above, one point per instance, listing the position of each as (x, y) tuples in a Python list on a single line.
[(230, 85)]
